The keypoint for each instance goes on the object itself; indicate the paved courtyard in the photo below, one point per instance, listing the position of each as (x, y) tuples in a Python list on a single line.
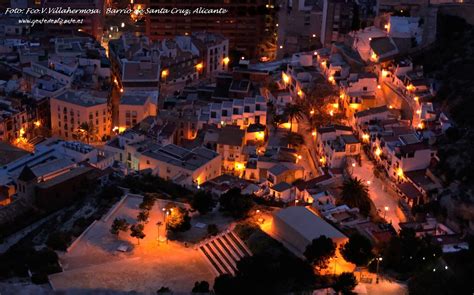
[(93, 262)]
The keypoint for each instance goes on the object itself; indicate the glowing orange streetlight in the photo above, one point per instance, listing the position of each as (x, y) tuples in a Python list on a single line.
[(378, 152), (226, 61), (400, 172), (374, 57), (199, 66), (165, 73)]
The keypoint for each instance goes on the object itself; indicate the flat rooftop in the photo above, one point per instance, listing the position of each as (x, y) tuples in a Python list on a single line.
[(84, 98), (307, 223)]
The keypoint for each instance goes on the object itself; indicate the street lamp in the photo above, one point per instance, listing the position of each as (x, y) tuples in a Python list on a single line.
[(385, 211), (378, 262), (164, 74), (158, 224), (226, 61), (166, 212)]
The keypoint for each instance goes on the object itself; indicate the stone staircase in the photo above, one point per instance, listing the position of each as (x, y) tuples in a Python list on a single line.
[(223, 251)]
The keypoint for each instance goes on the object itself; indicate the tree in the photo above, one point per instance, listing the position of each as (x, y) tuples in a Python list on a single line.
[(406, 252), (148, 202), (345, 283), (294, 139), (201, 287), (356, 194), (319, 105), (293, 112), (277, 120), (358, 250), (143, 216), (202, 202), (86, 131), (178, 220), (136, 231), (119, 224), (236, 204), (319, 251)]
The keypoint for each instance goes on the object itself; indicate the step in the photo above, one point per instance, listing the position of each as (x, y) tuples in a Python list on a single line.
[(234, 247), (240, 243), (230, 262), (211, 260), (228, 248), (219, 261)]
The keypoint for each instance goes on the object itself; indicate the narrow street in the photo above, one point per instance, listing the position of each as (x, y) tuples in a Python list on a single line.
[(380, 192), (306, 133)]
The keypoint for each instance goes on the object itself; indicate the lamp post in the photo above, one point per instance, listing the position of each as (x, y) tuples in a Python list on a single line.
[(378, 263), (158, 224), (385, 212), (166, 212)]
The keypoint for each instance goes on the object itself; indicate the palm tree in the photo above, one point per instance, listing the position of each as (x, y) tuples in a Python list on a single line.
[(294, 112), (294, 139), (86, 131), (277, 120), (356, 194)]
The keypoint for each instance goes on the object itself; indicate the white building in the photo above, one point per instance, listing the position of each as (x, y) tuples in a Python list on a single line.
[(214, 50), (72, 108), (136, 106), (405, 27), (186, 167), (298, 226), (241, 112)]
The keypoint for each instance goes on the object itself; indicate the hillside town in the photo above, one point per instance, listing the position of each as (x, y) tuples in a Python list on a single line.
[(276, 147)]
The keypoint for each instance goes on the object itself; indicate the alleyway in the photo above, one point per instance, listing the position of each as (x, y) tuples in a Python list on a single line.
[(380, 193)]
